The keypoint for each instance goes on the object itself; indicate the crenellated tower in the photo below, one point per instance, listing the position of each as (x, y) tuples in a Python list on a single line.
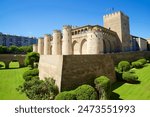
[(67, 40), (35, 48), (56, 47), (41, 46), (119, 23), (47, 40)]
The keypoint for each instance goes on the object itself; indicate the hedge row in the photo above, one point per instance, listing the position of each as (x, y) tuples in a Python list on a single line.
[(87, 92)]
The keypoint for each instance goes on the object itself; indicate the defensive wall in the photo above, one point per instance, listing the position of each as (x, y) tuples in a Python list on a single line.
[(71, 71), (7, 58)]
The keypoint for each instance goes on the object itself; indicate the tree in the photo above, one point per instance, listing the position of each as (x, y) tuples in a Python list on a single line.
[(31, 58), (36, 89), (3, 50), (14, 49)]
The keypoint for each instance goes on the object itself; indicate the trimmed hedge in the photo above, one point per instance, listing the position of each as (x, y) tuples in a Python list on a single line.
[(137, 64), (143, 61), (86, 92), (124, 66), (28, 75), (129, 77), (103, 86), (66, 95)]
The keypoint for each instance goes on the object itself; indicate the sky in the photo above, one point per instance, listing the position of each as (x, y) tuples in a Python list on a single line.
[(39, 17)]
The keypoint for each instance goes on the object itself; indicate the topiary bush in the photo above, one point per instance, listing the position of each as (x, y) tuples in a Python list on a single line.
[(124, 66), (103, 86), (129, 77), (86, 92), (143, 61), (30, 73), (137, 64), (66, 95)]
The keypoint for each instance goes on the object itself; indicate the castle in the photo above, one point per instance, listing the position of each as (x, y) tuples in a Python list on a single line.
[(113, 37), (57, 51)]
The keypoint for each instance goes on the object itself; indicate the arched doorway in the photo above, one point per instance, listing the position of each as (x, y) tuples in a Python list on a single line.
[(75, 48), (83, 47)]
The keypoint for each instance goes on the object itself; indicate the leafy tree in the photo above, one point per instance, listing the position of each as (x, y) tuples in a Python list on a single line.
[(86, 92), (3, 49), (103, 87), (143, 61), (13, 49), (36, 89), (124, 66), (31, 58)]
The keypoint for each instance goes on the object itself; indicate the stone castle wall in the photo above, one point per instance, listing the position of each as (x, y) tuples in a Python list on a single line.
[(71, 71)]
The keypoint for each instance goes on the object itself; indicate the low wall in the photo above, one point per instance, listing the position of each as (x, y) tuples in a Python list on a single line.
[(129, 56), (7, 58)]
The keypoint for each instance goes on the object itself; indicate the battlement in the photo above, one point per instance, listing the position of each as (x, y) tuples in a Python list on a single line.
[(115, 14), (67, 26), (56, 31)]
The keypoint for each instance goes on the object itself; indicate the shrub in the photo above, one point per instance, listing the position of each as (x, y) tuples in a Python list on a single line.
[(31, 58), (137, 64), (66, 95), (30, 73), (103, 87), (143, 61), (129, 77), (124, 66), (36, 89), (86, 92)]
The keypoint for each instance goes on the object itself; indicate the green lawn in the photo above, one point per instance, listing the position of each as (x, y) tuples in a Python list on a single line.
[(10, 79), (139, 91)]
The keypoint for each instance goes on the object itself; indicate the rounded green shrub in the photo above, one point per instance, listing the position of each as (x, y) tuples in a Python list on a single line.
[(66, 95), (30, 73), (143, 61), (129, 77), (124, 66), (103, 86), (137, 64), (86, 92)]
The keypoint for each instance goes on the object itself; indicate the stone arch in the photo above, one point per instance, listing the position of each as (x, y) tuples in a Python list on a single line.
[(2, 64), (75, 48), (11, 62), (83, 47)]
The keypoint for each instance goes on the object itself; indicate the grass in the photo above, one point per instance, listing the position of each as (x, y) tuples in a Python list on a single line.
[(139, 91), (10, 79)]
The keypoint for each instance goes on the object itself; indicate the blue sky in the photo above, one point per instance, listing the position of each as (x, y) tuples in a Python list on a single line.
[(39, 17)]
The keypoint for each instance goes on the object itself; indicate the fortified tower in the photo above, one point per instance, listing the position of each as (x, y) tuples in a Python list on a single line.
[(35, 48), (47, 39), (94, 43), (67, 40), (119, 23), (41, 46), (56, 48)]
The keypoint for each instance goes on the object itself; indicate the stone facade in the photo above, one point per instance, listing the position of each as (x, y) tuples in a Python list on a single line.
[(88, 43)]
